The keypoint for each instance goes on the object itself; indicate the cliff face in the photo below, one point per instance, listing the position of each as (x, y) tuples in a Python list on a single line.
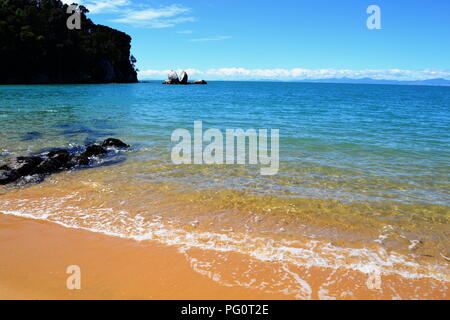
[(37, 47)]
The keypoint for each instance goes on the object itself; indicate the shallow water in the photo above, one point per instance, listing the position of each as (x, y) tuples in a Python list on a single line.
[(363, 181)]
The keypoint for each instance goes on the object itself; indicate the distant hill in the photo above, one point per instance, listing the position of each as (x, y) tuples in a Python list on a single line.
[(429, 82), (37, 47)]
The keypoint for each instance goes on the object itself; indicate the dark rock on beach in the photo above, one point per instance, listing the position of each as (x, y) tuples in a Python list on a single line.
[(26, 166), (81, 160), (55, 161), (20, 167), (94, 151), (7, 176)]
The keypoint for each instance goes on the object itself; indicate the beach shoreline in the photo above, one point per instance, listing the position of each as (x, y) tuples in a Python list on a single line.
[(36, 254)]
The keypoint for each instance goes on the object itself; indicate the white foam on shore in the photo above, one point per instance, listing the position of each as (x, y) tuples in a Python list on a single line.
[(311, 253)]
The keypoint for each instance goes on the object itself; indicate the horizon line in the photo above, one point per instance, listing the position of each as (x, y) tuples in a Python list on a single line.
[(301, 74), (425, 83)]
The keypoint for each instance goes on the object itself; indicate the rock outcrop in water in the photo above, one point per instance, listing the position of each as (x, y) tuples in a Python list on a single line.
[(55, 161), (183, 77), (173, 78), (37, 47), (200, 82)]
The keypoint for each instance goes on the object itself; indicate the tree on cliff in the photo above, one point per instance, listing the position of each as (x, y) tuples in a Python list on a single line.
[(36, 46)]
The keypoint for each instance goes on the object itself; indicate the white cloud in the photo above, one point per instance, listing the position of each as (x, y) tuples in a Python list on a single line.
[(126, 11), (69, 2), (163, 17), (106, 6), (300, 74), (101, 6), (217, 38)]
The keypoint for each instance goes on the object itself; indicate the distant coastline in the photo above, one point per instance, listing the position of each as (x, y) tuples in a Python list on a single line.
[(438, 82), (428, 82)]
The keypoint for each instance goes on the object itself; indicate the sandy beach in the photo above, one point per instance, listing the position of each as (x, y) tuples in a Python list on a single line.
[(36, 254)]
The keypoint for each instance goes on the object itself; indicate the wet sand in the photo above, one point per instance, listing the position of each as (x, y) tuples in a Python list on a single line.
[(35, 255)]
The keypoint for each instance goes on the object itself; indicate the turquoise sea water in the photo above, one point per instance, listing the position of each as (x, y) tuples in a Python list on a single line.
[(363, 168), (350, 142)]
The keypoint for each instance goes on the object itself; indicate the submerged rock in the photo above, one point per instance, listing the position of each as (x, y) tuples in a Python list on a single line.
[(54, 161), (32, 136), (111, 142)]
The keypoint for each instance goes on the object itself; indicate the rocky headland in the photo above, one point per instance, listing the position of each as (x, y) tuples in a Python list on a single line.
[(37, 47)]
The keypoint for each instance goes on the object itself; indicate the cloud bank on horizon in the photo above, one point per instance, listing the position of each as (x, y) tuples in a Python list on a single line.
[(299, 74)]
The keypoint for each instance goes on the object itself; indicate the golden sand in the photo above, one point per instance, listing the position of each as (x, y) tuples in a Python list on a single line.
[(35, 256)]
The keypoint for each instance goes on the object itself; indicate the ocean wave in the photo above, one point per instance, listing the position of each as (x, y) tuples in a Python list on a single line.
[(304, 253)]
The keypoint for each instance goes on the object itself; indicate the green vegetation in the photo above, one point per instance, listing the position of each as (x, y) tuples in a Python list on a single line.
[(36, 46)]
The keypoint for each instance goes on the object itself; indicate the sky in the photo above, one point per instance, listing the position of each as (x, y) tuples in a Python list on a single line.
[(282, 39)]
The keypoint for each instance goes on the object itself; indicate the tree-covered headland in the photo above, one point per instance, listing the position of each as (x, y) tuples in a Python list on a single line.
[(36, 46)]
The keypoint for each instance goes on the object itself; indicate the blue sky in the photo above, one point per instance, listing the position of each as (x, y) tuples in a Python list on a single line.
[(283, 39)]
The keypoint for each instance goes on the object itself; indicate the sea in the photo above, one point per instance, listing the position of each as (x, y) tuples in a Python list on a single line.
[(363, 180)]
